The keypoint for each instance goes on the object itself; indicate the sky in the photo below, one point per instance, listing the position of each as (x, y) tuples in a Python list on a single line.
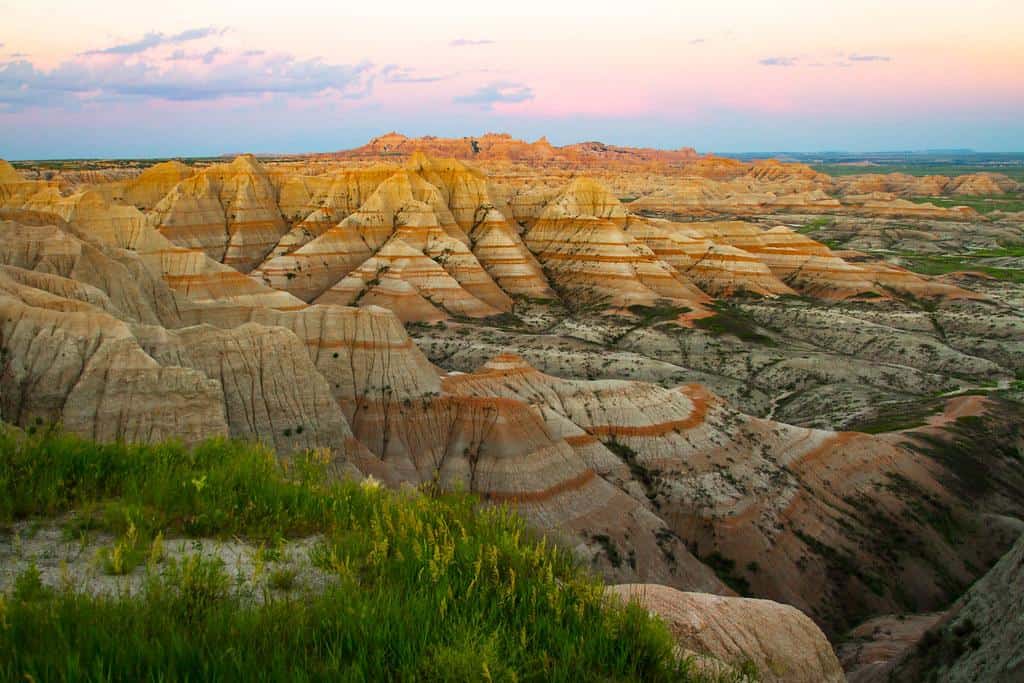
[(129, 78)]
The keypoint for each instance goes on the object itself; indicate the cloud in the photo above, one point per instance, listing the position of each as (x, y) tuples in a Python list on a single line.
[(393, 73), (211, 55), (869, 58), (154, 39), (207, 76), (466, 42), (498, 92), (697, 41), (779, 61)]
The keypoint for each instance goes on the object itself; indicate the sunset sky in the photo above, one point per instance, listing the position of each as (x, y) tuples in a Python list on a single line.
[(133, 78)]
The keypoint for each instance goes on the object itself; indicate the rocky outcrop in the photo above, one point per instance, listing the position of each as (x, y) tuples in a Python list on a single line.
[(188, 271), (407, 223), (719, 269), (778, 641), (503, 147), (228, 211), (501, 251), (983, 184), (145, 190), (580, 241)]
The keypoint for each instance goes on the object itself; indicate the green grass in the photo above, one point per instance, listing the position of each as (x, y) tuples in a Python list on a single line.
[(423, 587), (815, 225), (940, 264), (1015, 171), (725, 569), (898, 416), (730, 320), (983, 205), (650, 315)]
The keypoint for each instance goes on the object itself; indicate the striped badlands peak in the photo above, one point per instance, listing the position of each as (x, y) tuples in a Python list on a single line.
[(719, 269), (815, 270), (189, 271), (436, 239), (501, 251), (229, 211), (145, 190), (580, 241)]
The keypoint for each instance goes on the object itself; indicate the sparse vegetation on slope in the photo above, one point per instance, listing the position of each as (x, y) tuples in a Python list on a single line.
[(981, 204), (422, 587)]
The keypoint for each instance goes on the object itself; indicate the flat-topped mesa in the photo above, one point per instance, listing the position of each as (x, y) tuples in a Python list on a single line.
[(580, 241), (775, 171), (888, 205), (229, 211), (897, 183), (747, 194)]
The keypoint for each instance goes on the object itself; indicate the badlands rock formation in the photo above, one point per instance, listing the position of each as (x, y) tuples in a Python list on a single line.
[(647, 354), (927, 186), (147, 189), (779, 641), (229, 211), (502, 147)]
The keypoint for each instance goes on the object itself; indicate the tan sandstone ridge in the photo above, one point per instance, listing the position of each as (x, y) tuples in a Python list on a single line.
[(927, 186), (503, 147), (616, 465), (408, 244), (581, 240), (147, 189), (229, 211), (780, 641), (437, 238)]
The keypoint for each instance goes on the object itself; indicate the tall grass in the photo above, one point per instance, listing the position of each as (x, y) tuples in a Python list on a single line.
[(422, 587)]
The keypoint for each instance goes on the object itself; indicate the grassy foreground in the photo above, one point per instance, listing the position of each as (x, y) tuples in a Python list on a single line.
[(422, 587)]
